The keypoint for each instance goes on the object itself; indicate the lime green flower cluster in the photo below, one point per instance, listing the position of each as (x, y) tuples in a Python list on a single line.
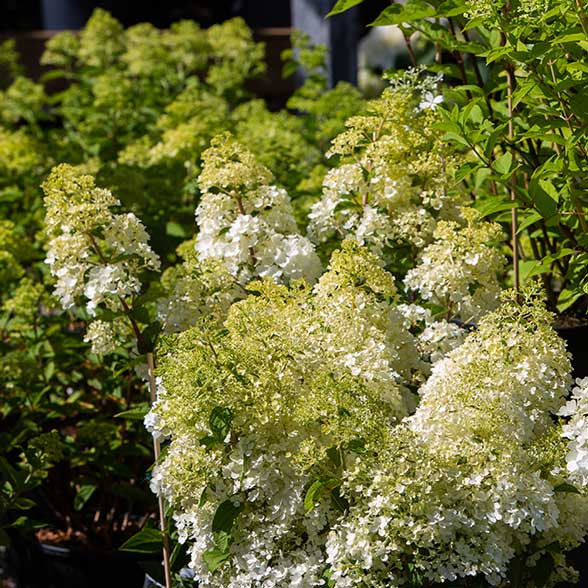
[(298, 377), (91, 251)]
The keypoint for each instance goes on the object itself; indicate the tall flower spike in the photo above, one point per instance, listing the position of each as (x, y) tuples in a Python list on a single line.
[(246, 222), (92, 251)]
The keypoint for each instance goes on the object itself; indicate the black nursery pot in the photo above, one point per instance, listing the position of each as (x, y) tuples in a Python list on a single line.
[(50, 566), (577, 342)]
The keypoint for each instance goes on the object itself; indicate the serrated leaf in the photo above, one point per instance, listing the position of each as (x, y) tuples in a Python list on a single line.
[(147, 540), (409, 12), (342, 6)]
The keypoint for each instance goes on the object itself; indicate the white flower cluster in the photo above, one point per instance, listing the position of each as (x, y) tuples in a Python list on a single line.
[(246, 222), (436, 337), (576, 431), (92, 252), (394, 176), (457, 492), (459, 269), (301, 369)]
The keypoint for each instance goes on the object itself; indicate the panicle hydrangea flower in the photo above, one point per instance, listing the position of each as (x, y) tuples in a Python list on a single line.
[(101, 40), (12, 250), (395, 173), (247, 223), (491, 11), (576, 431), (26, 299), (23, 100), (459, 269), (457, 492), (19, 153), (91, 250), (195, 289), (295, 372)]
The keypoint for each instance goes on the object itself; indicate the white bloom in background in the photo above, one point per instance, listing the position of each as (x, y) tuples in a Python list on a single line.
[(102, 336), (77, 212)]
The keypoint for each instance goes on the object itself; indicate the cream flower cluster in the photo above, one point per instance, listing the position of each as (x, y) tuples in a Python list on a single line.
[(394, 174), (247, 223), (458, 491), (92, 252), (296, 372), (196, 289), (459, 269), (576, 431)]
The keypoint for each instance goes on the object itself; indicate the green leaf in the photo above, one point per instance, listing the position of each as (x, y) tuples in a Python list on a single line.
[(174, 229), (567, 298), (528, 220), (23, 503), (225, 515), (134, 414), (83, 495), (452, 8), (494, 206), (214, 558), (398, 14), (565, 487), (342, 6), (317, 490), (147, 540), (542, 201), (455, 138), (570, 38), (503, 163), (220, 422)]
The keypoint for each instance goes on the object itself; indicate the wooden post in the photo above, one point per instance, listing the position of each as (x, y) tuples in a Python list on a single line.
[(157, 452)]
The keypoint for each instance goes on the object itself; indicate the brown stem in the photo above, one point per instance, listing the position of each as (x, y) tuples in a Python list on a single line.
[(409, 48), (157, 452)]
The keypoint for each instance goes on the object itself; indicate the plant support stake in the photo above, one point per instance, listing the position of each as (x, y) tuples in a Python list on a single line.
[(157, 452), (514, 218)]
